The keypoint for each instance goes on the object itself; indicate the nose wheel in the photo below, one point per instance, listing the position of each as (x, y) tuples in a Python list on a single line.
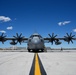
[(42, 50), (28, 50)]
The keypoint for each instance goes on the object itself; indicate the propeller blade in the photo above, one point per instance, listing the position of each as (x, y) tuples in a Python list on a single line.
[(17, 34), (71, 41), (52, 42), (20, 34), (20, 43), (55, 36), (2, 34), (70, 34), (68, 42), (2, 42), (67, 34), (52, 34), (73, 36), (49, 35)]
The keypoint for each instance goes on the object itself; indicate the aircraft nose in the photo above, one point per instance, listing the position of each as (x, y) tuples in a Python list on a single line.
[(36, 41)]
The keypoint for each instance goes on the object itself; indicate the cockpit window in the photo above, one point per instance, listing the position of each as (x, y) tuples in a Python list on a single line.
[(35, 36), (40, 36), (31, 36)]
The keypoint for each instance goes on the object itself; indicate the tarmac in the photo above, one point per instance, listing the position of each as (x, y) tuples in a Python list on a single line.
[(54, 63)]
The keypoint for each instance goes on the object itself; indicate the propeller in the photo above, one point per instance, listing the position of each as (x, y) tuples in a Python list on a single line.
[(69, 38), (2, 38), (19, 38), (52, 38)]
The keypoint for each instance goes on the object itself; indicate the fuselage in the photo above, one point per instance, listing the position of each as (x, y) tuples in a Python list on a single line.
[(35, 42)]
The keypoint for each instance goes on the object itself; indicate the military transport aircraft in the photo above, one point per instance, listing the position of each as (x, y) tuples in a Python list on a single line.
[(36, 42)]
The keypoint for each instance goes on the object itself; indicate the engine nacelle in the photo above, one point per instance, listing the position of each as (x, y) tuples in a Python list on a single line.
[(58, 43), (13, 43)]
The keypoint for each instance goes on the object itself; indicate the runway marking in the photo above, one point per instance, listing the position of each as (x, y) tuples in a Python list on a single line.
[(37, 67)]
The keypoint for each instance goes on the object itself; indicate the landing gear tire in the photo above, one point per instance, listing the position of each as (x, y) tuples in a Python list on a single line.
[(42, 50), (28, 50)]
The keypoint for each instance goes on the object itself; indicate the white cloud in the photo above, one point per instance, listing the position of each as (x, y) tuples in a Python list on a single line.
[(66, 22), (60, 23), (2, 31), (74, 30), (4, 19), (63, 23), (9, 28)]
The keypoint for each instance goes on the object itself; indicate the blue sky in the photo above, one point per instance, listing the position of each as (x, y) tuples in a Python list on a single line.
[(42, 16)]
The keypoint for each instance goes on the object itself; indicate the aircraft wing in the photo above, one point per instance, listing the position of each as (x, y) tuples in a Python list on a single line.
[(50, 39), (57, 40), (68, 38), (15, 39)]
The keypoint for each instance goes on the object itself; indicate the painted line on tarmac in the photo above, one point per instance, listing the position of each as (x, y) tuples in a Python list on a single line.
[(37, 70), (37, 67)]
